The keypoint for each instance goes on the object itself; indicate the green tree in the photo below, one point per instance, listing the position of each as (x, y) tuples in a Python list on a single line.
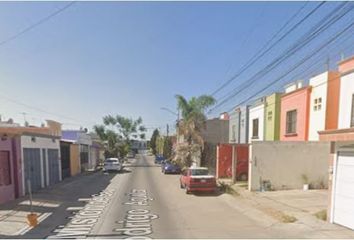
[(191, 125), (167, 147), (117, 131), (154, 136)]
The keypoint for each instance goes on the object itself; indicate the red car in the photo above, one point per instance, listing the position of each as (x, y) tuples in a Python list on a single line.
[(198, 179)]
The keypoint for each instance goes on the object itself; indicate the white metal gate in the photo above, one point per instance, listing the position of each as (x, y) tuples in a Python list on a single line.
[(343, 205)]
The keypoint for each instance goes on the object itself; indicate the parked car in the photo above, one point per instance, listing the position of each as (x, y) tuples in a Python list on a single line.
[(131, 155), (197, 179), (159, 158), (112, 164), (163, 165), (170, 167)]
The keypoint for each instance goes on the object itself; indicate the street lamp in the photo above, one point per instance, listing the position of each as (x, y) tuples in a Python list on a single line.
[(172, 112)]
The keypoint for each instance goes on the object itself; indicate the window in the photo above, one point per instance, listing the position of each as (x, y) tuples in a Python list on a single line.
[(233, 136), (291, 121), (317, 104), (199, 172), (352, 115), (255, 128), (270, 116), (5, 168)]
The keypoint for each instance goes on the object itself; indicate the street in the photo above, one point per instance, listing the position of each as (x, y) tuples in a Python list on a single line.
[(143, 202), (173, 214)]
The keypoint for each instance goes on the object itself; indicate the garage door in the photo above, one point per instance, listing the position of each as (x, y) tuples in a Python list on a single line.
[(32, 165), (343, 212), (53, 165)]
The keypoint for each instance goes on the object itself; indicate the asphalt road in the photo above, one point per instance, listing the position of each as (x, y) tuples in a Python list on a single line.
[(141, 202)]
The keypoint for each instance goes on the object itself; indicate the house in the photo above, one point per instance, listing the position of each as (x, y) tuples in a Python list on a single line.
[(272, 117), (256, 121), (294, 114), (137, 145), (341, 157), (80, 151), (69, 152), (238, 125), (10, 167), (97, 150), (29, 157), (324, 103), (216, 131), (41, 160)]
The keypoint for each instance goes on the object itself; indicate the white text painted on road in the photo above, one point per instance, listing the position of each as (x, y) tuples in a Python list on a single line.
[(83, 221), (137, 223), (138, 197)]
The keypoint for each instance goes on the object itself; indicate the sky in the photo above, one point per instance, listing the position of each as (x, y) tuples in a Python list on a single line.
[(132, 58)]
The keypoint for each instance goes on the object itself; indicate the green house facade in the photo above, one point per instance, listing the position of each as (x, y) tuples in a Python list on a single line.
[(272, 117)]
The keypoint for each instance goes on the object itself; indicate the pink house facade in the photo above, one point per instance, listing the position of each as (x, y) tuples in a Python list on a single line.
[(294, 116), (10, 168)]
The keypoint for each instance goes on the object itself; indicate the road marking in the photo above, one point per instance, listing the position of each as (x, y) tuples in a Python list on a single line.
[(27, 228), (74, 209), (137, 221), (85, 218)]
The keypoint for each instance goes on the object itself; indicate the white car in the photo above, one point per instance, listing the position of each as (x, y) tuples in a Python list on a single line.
[(113, 164)]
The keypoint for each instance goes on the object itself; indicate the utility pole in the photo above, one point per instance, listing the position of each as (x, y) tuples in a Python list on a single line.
[(327, 63), (24, 118), (167, 129)]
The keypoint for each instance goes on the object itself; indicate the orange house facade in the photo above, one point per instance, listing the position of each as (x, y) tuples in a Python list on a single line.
[(294, 116)]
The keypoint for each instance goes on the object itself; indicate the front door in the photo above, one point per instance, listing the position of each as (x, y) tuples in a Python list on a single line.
[(7, 189)]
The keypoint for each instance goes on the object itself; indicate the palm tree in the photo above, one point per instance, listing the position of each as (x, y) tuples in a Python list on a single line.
[(191, 125)]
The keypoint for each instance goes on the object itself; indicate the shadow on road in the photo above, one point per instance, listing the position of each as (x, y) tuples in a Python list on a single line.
[(123, 171), (207, 194), (53, 202)]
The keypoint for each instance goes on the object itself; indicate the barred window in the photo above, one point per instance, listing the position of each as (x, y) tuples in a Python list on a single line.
[(291, 117)]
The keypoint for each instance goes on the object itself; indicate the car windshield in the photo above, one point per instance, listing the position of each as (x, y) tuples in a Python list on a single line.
[(111, 161), (198, 172)]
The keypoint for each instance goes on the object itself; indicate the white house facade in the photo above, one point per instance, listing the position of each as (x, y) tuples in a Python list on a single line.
[(318, 105), (346, 101), (256, 121), (40, 156)]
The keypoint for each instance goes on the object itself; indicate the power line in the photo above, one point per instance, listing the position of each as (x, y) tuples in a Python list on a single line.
[(36, 24), (39, 109), (330, 54), (322, 25), (300, 63), (247, 36), (258, 55), (299, 44)]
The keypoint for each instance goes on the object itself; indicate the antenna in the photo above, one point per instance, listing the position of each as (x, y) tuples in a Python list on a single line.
[(341, 56), (24, 118)]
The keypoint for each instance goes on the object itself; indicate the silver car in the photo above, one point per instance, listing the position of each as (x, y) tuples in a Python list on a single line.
[(112, 164)]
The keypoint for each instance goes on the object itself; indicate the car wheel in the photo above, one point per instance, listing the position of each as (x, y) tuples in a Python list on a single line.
[(243, 177)]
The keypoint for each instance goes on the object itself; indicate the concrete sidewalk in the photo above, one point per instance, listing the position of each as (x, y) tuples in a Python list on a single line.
[(291, 209), (13, 214)]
